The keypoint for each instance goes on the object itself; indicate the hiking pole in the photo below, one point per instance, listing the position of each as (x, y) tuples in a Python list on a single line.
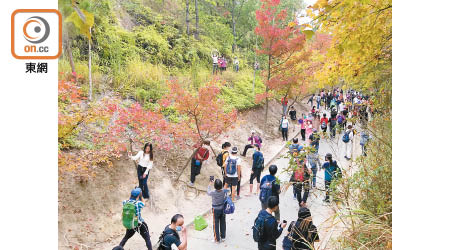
[(131, 150)]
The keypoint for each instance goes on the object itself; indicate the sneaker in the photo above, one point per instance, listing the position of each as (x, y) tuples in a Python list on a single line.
[(223, 240), (238, 197), (326, 200), (190, 184)]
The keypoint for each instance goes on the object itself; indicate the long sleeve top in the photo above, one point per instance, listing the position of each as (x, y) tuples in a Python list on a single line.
[(144, 160), (218, 197), (255, 140), (271, 231)]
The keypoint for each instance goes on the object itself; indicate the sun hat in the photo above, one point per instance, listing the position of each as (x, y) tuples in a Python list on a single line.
[(234, 150)]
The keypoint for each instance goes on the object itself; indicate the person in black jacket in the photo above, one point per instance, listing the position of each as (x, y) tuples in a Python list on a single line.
[(303, 233), (271, 231)]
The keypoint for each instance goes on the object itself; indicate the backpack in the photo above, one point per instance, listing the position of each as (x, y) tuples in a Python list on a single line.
[(260, 162), (266, 191), (346, 137), (219, 159), (231, 166), (228, 206), (324, 125), (340, 119), (160, 243), (258, 228), (129, 217), (260, 140)]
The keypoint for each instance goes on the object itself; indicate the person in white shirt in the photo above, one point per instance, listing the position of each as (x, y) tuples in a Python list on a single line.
[(145, 158), (341, 107), (215, 58), (233, 172), (349, 144), (236, 64), (284, 127)]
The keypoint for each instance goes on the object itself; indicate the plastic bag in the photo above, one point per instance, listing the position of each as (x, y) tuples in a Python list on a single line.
[(200, 223)]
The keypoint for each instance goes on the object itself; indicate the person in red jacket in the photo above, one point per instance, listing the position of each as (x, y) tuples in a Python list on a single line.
[(201, 155), (324, 123), (284, 102)]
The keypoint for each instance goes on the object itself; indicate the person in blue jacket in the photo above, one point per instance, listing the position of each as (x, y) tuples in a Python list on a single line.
[(330, 167)]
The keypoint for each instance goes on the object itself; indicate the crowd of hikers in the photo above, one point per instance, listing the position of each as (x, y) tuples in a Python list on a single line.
[(302, 233)]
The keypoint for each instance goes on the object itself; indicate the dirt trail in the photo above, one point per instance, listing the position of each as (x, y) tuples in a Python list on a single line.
[(83, 215)]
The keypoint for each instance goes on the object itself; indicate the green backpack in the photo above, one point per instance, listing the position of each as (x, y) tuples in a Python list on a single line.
[(129, 217)]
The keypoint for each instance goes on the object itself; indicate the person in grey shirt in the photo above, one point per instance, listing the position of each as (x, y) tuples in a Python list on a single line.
[(314, 162), (218, 200)]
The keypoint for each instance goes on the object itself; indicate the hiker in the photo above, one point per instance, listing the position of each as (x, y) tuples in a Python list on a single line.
[(324, 123), (131, 211), (218, 200), (221, 64), (171, 234), (270, 229), (236, 64), (328, 100), (347, 138), (284, 125), (269, 187), (309, 128), (284, 103), (255, 140), (365, 137), (318, 98), (222, 157), (330, 167), (215, 59), (294, 150), (313, 111), (257, 168), (314, 139), (313, 162), (311, 100), (302, 232), (224, 63), (201, 155), (293, 115), (233, 172), (144, 166), (342, 121), (333, 122), (300, 179), (302, 122)]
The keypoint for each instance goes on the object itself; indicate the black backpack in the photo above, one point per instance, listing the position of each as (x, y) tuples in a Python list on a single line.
[(258, 228), (219, 158), (161, 243)]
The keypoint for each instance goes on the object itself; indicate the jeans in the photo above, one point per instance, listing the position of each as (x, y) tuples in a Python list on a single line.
[(298, 189), (143, 182), (333, 131), (236, 67), (364, 151), (284, 109), (314, 170), (195, 170), (219, 224), (142, 229), (215, 68), (284, 132), (302, 132), (318, 105)]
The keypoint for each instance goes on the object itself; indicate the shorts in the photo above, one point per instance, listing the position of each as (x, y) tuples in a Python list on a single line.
[(231, 181)]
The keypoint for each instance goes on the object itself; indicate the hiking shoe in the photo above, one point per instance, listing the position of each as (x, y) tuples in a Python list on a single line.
[(326, 200), (223, 240), (190, 184), (238, 197)]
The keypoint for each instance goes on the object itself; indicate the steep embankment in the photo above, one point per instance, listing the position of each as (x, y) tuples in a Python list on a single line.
[(90, 213)]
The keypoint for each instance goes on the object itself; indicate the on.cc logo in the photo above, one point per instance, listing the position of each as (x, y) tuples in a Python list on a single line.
[(37, 25)]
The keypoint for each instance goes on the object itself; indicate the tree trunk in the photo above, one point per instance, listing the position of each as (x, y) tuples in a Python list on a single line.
[(72, 65), (187, 17), (267, 90), (90, 70), (196, 20), (233, 48)]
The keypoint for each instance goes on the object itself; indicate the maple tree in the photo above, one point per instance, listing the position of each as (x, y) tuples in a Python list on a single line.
[(202, 112), (281, 39)]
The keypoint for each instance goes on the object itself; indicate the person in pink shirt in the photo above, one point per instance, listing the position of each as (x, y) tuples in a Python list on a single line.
[(309, 128)]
